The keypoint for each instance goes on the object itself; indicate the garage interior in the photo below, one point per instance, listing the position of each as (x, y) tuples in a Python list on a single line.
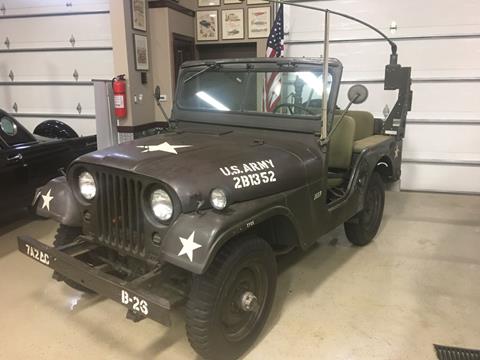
[(415, 286)]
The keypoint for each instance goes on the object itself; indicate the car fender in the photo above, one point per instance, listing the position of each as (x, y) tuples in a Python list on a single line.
[(206, 232), (56, 201)]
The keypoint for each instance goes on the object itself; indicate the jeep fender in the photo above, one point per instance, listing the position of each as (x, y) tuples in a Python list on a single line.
[(206, 232), (56, 201)]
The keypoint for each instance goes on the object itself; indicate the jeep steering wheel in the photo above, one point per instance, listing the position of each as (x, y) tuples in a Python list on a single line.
[(290, 106)]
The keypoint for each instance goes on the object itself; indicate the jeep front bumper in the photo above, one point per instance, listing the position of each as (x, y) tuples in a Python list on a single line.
[(137, 295)]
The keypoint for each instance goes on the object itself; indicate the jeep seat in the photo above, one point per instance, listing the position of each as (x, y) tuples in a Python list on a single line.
[(364, 122), (340, 150)]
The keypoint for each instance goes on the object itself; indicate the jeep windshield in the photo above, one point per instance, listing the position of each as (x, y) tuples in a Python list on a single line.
[(287, 93), (259, 93)]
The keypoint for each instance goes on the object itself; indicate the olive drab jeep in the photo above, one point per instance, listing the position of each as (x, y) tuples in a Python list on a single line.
[(257, 161)]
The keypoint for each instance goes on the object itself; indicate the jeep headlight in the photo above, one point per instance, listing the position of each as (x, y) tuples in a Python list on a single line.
[(161, 204), (87, 186), (218, 199)]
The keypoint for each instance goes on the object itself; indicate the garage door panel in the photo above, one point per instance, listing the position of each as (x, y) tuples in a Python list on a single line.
[(442, 178), (54, 99), (433, 101), (83, 127), (446, 142), (57, 66), (412, 18), (428, 59), (28, 7), (45, 32)]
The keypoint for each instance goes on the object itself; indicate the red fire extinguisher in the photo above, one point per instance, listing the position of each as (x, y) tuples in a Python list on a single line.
[(119, 87)]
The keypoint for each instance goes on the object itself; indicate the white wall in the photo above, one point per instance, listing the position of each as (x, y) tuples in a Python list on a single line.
[(440, 40), (40, 51)]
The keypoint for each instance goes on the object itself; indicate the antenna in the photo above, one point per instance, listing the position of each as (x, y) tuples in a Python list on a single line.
[(393, 45)]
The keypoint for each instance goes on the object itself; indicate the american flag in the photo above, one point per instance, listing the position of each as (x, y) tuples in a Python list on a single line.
[(272, 85)]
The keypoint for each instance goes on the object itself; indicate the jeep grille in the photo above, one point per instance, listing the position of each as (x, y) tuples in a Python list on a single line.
[(119, 213)]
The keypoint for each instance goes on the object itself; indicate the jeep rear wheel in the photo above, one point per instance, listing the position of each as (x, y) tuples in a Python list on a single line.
[(229, 304), (363, 227), (65, 235)]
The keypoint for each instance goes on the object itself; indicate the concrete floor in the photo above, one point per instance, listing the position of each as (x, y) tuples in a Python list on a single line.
[(416, 285)]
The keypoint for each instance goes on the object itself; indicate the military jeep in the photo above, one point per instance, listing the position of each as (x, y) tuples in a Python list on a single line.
[(257, 161)]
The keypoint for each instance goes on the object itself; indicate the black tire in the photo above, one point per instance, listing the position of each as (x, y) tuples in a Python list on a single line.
[(363, 227), (217, 326), (65, 235)]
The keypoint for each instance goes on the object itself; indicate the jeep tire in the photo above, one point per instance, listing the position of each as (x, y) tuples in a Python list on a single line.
[(65, 235), (363, 227), (229, 304)]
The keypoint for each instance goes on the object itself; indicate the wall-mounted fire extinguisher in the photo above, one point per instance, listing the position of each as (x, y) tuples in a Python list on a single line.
[(119, 87)]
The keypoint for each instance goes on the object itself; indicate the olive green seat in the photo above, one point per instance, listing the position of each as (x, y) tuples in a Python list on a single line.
[(340, 150)]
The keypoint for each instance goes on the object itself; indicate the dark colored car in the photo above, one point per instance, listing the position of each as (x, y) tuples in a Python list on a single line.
[(28, 161), (258, 161)]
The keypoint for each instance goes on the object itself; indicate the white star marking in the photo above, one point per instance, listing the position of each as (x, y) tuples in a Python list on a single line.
[(46, 200), (188, 246), (397, 150), (166, 147)]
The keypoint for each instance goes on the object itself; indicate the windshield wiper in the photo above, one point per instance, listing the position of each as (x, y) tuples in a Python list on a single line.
[(208, 67)]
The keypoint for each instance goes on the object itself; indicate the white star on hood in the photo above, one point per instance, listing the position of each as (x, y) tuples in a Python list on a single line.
[(188, 246), (166, 147), (46, 200)]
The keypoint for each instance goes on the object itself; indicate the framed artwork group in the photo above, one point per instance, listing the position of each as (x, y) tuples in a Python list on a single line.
[(140, 43), (232, 21)]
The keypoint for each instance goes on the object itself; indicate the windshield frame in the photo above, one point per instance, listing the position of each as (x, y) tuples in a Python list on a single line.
[(298, 123)]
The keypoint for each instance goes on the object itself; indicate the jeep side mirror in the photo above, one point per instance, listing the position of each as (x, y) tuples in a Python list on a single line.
[(357, 94)]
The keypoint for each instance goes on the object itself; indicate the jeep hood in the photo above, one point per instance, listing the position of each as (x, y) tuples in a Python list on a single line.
[(193, 163)]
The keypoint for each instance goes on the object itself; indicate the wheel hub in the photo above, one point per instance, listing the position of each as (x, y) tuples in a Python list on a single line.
[(248, 301)]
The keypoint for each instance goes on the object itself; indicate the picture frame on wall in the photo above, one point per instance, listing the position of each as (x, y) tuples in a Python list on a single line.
[(259, 22), (231, 2), (141, 52), (207, 25), (139, 15), (205, 3), (257, 2), (233, 24)]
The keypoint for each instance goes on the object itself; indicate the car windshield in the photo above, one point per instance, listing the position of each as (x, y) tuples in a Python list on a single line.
[(285, 93)]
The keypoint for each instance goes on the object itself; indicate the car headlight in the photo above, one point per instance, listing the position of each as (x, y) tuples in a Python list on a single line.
[(218, 199), (162, 205), (87, 186)]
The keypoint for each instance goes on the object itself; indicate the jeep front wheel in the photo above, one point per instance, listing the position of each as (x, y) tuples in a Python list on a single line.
[(230, 303), (363, 227), (65, 235)]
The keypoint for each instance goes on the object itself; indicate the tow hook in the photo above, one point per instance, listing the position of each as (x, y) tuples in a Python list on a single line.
[(134, 316)]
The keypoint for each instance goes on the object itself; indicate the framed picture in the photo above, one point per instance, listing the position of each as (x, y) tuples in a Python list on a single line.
[(232, 24), (229, 2), (141, 52), (139, 15), (259, 22), (207, 25), (202, 3), (256, 2)]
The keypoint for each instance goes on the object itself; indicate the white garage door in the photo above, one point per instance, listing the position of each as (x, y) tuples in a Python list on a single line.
[(441, 41), (49, 52)]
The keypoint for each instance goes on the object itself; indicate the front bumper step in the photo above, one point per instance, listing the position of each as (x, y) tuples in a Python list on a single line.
[(136, 295)]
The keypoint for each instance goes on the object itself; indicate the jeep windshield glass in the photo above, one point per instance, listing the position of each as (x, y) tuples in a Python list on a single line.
[(285, 93)]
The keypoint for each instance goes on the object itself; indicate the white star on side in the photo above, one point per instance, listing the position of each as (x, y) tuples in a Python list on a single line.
[(166, 147), (188, 246), (46, 200), (397, 150)]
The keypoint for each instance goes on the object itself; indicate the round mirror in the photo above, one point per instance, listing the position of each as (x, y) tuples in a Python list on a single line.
[(357, 94), (8, 126)]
